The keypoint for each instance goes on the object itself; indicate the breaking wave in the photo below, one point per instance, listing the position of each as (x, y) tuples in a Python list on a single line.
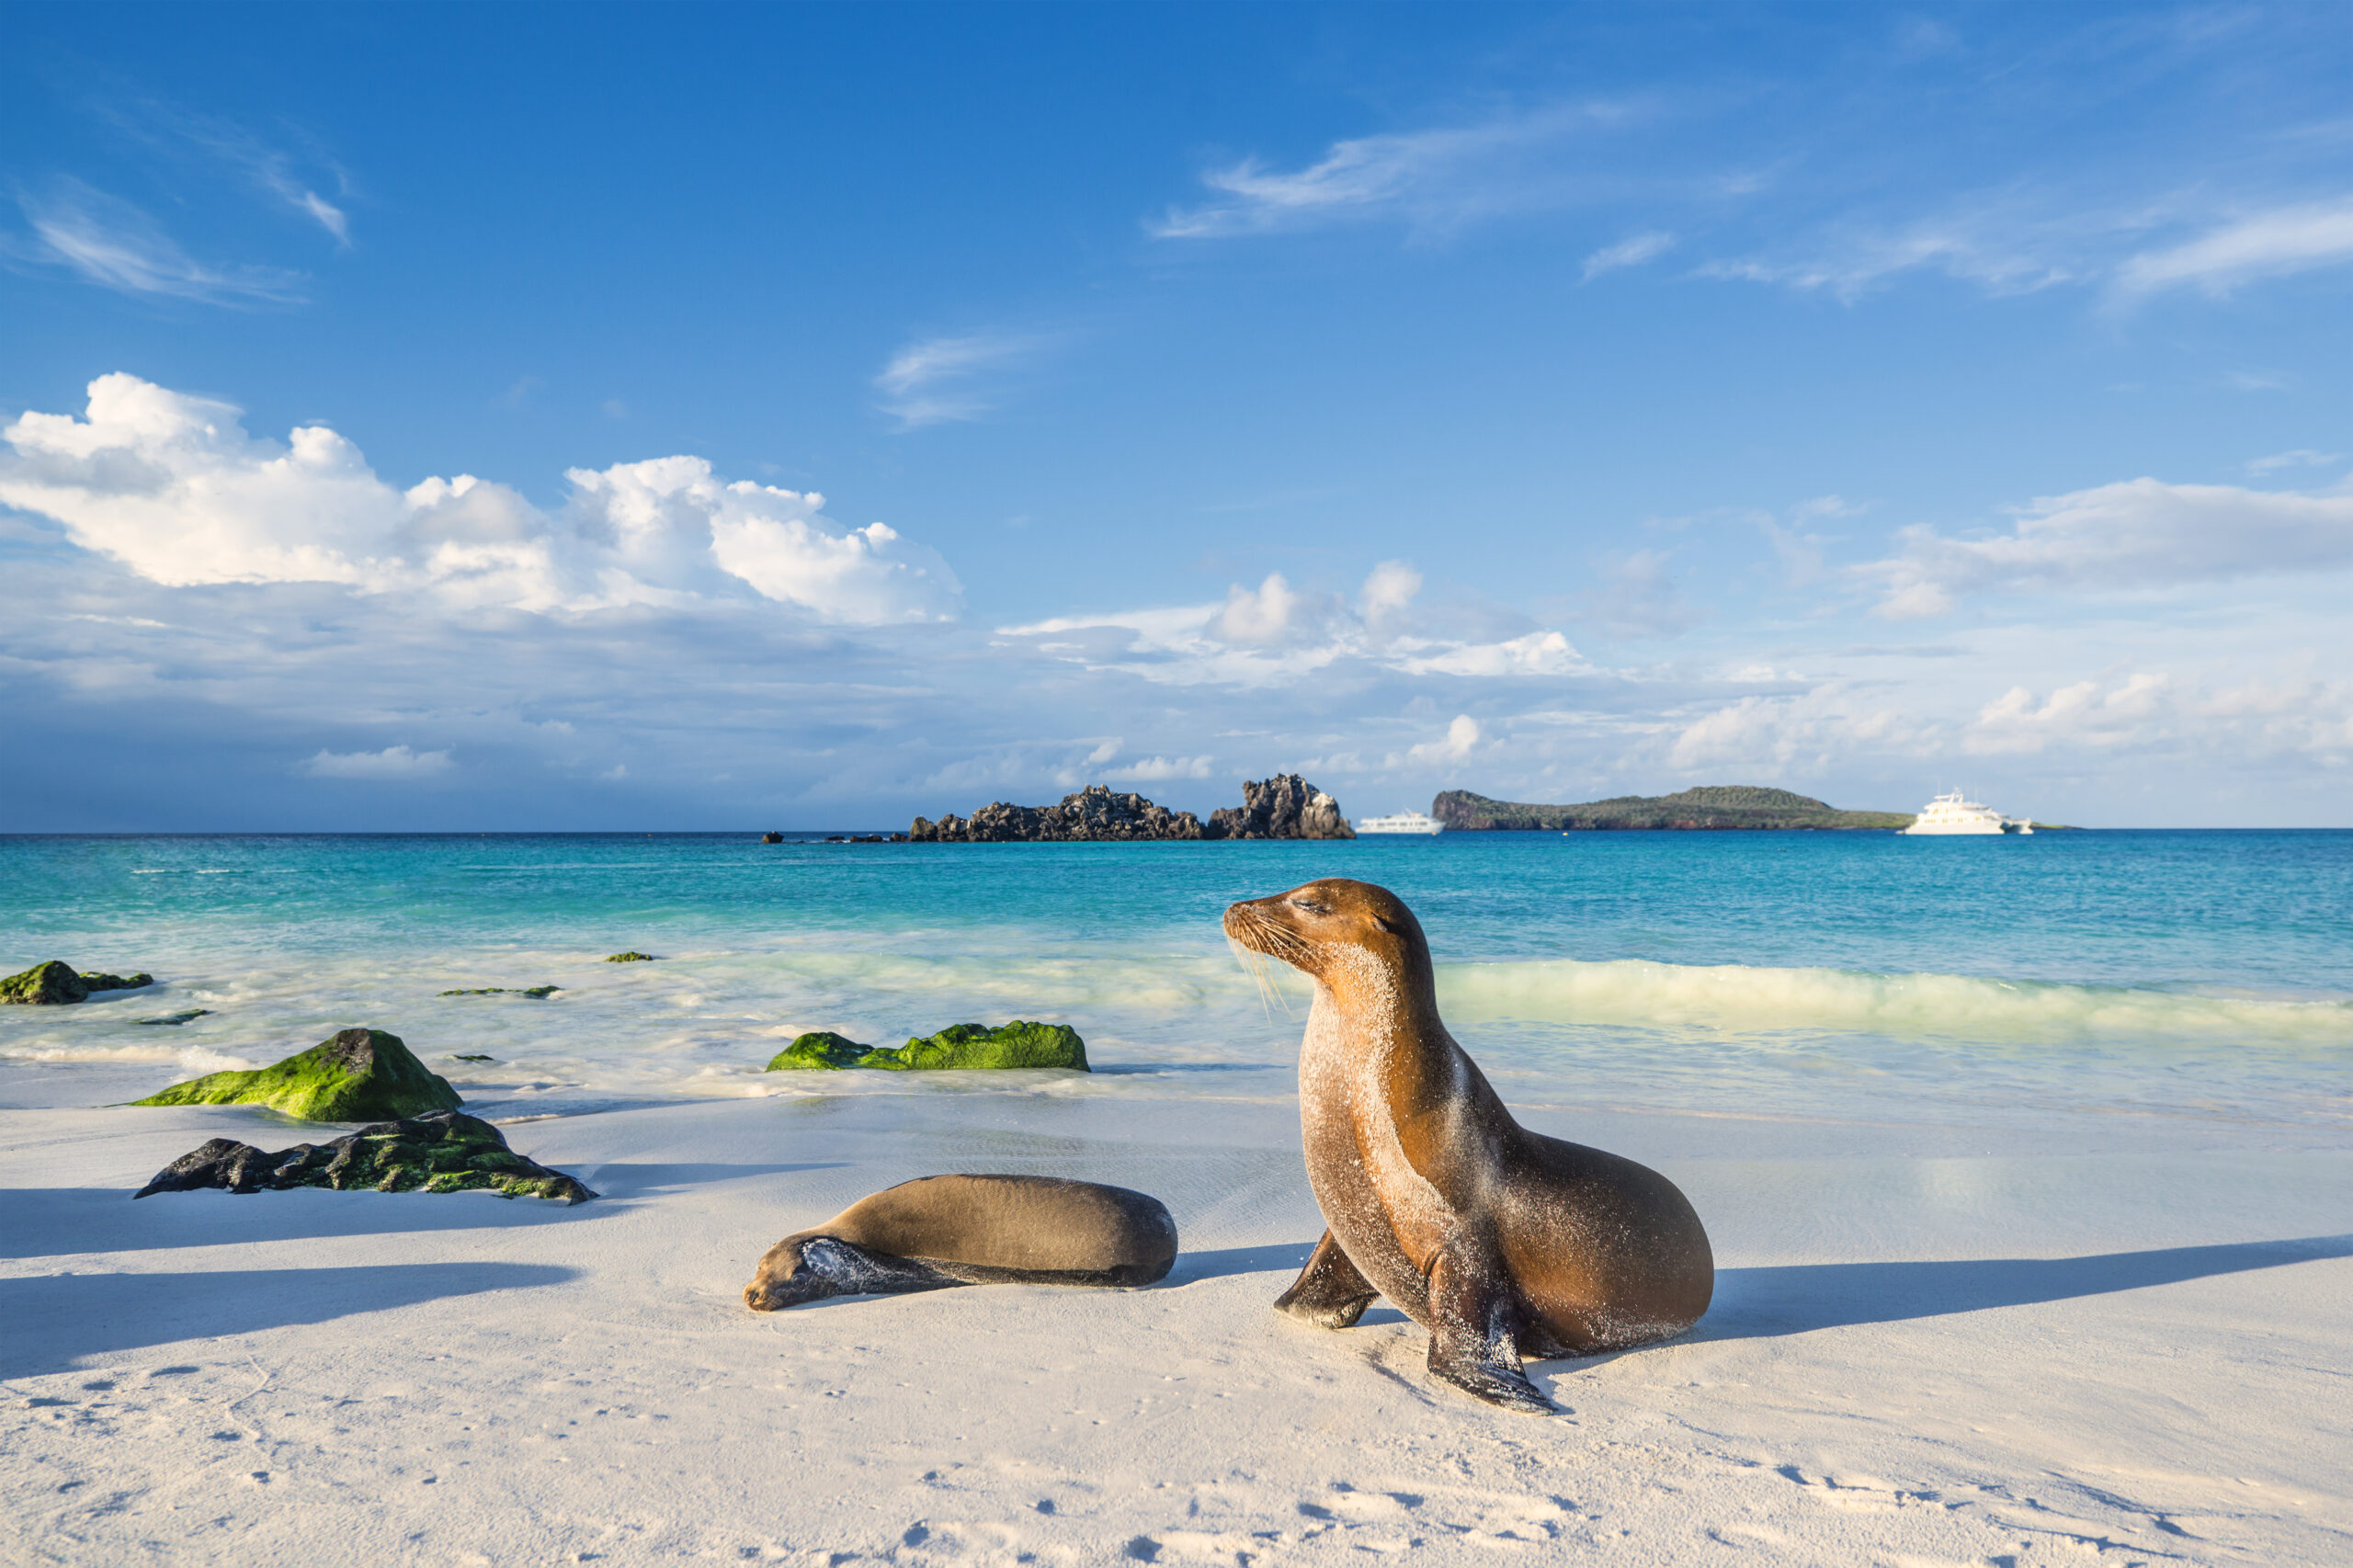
[(1737, 998)]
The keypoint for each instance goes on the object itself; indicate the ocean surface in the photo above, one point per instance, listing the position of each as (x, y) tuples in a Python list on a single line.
[(2172, 988)]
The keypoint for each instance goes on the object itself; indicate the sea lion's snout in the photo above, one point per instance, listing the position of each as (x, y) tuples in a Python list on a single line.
[(1301, 926), (781, 1282)]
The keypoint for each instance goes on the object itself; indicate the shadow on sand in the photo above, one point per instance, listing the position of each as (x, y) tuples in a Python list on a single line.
[(1754, 1303), (60, 1221), (55, 1320)]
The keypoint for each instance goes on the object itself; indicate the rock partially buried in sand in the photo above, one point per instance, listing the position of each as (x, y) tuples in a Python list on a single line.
[(55, 983), (357, 1075), (632, 957), (440, 1152), (538, 993), (957, 1048), (972, 1230)]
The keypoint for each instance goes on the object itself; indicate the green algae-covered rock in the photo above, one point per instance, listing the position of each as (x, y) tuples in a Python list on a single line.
[(1018, 1044), (54, 984), (631, 958), (357, 1075), (821, 1048), (957, 1048), (440, 1151), (188, 1017), (45, 984)]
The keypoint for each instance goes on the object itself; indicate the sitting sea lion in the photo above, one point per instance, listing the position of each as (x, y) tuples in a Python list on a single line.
[(1501, 1241), (971, 1230)]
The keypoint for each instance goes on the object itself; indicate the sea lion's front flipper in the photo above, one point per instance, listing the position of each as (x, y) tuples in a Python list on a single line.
[(1474, 1325), (1329, 1292)]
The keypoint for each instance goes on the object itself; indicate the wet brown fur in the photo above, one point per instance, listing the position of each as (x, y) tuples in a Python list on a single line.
[(1500, 1241)]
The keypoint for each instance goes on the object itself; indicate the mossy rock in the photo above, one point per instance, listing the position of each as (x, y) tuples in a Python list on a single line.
[(357, 1075), (45, 985), (190, 1016), (440, 1151), (957, 1048), (821, 1048), (632, 957), (55, 983)]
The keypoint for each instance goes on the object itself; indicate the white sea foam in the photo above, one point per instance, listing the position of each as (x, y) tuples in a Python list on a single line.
[(1737, 998)]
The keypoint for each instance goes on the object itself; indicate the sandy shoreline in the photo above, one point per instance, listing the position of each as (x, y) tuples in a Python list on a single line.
[(2129, 1357)]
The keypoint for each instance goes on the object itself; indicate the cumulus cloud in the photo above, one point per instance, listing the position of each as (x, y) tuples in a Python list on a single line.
[(393, 762), (1807, 732), (172, 487), (1157, 768), (1275, 634), (1462, 738), (2081, 713), (1260, 617), (2135, 534)]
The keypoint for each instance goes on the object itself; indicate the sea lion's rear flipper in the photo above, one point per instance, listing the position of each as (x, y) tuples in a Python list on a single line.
[(1475, 1325), (1329, 1292)]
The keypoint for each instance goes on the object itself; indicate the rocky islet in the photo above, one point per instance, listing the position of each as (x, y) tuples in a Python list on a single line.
[(1286, 806)]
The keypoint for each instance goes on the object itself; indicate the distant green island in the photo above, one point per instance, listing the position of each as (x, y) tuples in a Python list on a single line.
[(1709, 806)]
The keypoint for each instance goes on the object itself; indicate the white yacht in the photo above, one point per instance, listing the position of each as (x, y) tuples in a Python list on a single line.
[(1403, 821), (1950, 814)]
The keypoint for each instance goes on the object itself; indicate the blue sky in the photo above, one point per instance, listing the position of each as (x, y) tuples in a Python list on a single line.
[(710, 418)]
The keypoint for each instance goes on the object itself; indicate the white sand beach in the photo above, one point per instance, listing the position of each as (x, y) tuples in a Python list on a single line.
[(1928, 1346)]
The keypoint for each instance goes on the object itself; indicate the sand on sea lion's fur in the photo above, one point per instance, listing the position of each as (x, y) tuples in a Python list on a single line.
[(1501, 1241), (972, 1230)]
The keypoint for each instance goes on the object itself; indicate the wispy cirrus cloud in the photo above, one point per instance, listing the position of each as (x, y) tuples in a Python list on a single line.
[(938, 379), (2272, 243), (1633, 251), (115, 244), (293, 178), (1432, 179)]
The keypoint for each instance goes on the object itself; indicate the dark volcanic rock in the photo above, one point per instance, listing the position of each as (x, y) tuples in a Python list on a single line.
[(444, 1151), (1285, 806), (771, 838)]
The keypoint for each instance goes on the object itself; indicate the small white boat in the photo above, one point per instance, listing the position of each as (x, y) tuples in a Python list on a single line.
[(1951, 813), (1403, 821)]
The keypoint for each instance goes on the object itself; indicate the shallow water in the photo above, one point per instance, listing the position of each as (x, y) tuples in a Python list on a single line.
[(2093, 985)]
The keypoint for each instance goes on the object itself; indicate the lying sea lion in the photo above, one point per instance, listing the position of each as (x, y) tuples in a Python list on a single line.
[(1501, 1241), (971, 1230)]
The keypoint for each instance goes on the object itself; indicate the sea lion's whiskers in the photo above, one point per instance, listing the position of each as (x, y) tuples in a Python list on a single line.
[(1250, 962)]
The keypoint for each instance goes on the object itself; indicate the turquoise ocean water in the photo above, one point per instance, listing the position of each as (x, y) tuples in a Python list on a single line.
[(2075, 983)]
